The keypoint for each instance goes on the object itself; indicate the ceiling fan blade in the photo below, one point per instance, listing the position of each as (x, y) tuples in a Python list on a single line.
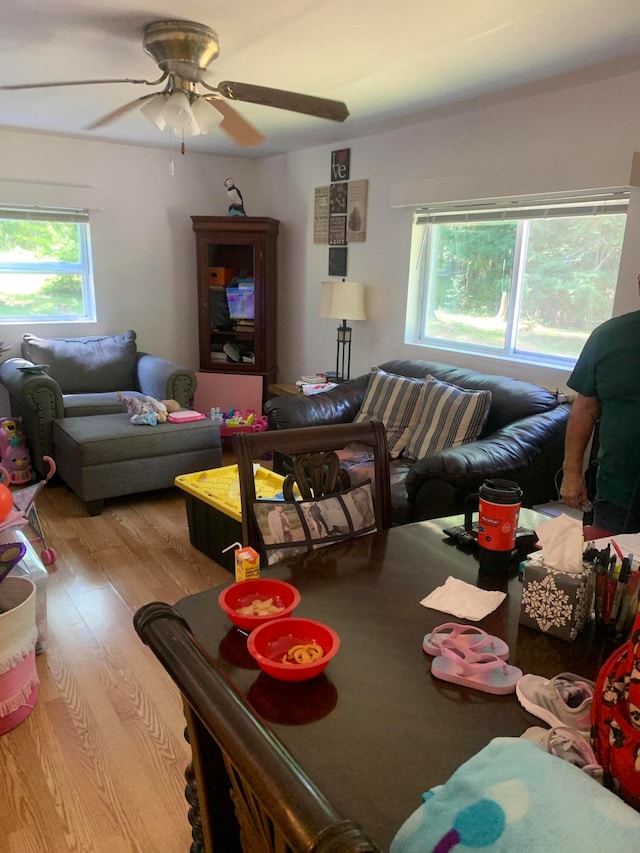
[(238, 128), (293, 101), (123, 110), (79, 83)]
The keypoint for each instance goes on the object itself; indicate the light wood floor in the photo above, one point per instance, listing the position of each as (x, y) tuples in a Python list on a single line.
[(98, 765)]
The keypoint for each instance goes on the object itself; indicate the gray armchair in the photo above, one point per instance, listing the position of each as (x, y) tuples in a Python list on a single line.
[(82, 378)]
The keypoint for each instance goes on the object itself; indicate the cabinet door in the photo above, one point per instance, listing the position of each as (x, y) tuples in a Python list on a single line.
[(232, 318), (237, 294)]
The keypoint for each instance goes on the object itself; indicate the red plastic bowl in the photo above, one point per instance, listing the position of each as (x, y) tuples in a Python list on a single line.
[(242, 593), (270, 643)]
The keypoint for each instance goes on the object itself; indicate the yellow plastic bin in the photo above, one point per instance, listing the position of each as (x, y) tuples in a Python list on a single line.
[(212, 500)]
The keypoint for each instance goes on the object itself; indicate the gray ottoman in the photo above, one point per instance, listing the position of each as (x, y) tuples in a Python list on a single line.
[(104, 456)]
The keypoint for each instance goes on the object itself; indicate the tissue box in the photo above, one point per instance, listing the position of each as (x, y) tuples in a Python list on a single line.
[(556, 602)]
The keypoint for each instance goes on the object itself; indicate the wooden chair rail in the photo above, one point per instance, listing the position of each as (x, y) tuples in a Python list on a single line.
[(238, 761)]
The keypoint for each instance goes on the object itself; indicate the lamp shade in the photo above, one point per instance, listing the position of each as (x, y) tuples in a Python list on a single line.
[(343, 300), (207, 116), (177, 111), (154, 110)]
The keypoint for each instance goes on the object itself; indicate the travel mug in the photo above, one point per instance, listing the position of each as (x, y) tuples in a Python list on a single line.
[(499, 503)]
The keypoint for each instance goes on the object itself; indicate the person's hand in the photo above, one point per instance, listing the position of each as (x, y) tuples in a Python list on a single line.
[(573, 491)]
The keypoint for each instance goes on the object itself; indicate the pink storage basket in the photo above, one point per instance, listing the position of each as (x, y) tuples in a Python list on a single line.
[(18, 635)]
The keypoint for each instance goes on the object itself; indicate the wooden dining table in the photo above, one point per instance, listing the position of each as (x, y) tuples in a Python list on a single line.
[(376, 729)]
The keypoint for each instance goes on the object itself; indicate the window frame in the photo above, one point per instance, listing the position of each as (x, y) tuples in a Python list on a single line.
[(523, 210), (83, 268)]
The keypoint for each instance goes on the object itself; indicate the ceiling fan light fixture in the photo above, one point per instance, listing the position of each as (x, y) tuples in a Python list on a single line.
[(192, 129), (177, 111), (154, 110), (207, 116), (183, 51)]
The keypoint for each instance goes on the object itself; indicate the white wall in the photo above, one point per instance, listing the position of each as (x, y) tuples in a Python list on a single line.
[(582, 137), (143, 246)]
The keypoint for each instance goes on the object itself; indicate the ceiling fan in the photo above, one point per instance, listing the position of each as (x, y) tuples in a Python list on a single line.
[(183, 50)]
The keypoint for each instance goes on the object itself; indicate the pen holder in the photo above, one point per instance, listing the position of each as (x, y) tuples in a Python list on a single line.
[(556, 602), (615, 603)]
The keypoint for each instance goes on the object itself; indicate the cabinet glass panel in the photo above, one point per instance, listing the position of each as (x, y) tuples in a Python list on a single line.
[(232, 303), (237, 294)]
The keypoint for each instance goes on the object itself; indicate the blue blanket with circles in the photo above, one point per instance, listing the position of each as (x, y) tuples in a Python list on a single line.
[(512, 795)]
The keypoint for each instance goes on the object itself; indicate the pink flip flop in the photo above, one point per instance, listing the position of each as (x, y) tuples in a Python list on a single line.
[(464, 637), (481, 672)]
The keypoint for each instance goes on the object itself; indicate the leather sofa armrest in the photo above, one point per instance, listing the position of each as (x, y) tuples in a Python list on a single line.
[(337, 406), (165, 380), (515, 447), (37, 399)]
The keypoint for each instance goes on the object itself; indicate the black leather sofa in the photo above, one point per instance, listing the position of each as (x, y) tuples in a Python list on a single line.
[(522, 440)]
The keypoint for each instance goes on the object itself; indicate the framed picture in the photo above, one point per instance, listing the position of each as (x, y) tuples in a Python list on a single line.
[(337, 230), (321, 215), (357, 211), (338, 260), (340, 163), (338, 198)]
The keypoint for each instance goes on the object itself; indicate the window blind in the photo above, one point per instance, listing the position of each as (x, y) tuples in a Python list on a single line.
[(44, 214), (541, 208)]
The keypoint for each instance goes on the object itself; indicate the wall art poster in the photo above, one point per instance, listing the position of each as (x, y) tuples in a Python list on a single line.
[(321, 215), (338, 198), (340, 160), (337, 230), (338, 261), (357, 211)]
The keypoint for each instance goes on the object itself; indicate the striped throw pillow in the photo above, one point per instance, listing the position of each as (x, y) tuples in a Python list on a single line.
[(393, 400), (446, 416)]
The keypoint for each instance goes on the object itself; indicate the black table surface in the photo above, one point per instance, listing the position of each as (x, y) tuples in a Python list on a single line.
[(376, 730)]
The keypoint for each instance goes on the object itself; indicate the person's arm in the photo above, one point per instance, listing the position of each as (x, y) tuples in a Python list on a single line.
[(585, 411)]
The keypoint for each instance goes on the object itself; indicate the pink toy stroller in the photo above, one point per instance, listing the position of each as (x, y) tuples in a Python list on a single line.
[(25, 510)]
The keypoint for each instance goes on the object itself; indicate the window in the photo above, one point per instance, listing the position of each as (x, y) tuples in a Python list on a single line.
[(45, 266), (523, 281)]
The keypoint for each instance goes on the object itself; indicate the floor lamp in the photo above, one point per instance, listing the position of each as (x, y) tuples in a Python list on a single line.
[(343, 300)]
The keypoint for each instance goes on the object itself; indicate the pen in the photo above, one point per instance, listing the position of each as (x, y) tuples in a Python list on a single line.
[(630, 591), (620, 587), (609, 590), (616, 548), (600, 588)]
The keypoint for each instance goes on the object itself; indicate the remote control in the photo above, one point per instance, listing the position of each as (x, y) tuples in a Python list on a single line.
[(524, 535)]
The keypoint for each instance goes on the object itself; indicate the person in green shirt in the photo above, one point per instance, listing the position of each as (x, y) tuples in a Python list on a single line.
[(607, 380)]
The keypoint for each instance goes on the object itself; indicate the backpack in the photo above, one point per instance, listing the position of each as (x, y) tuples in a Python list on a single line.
[(615, 719)]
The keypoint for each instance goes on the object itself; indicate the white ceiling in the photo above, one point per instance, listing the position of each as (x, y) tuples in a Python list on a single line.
[(393, 63)]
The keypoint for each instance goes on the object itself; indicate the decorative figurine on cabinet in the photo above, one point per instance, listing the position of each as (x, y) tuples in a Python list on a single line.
[(236, 204)]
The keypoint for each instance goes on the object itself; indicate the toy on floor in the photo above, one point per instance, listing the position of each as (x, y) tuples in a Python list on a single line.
[(14, 453), (236, 421), (6, 501), (147, 410), (25, 511), (10, 555)]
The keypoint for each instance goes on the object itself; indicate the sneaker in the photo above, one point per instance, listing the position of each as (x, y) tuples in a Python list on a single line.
[(569, 745), (561, 701)]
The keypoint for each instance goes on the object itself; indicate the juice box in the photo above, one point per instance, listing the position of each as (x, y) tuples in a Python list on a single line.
[(247, 564)]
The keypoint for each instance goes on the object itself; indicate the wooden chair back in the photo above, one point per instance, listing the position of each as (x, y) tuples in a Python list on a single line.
[(246, 791), (315, 466)]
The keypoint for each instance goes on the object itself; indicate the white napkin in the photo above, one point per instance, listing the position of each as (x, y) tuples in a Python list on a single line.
[(463, 600), (560, 540)]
